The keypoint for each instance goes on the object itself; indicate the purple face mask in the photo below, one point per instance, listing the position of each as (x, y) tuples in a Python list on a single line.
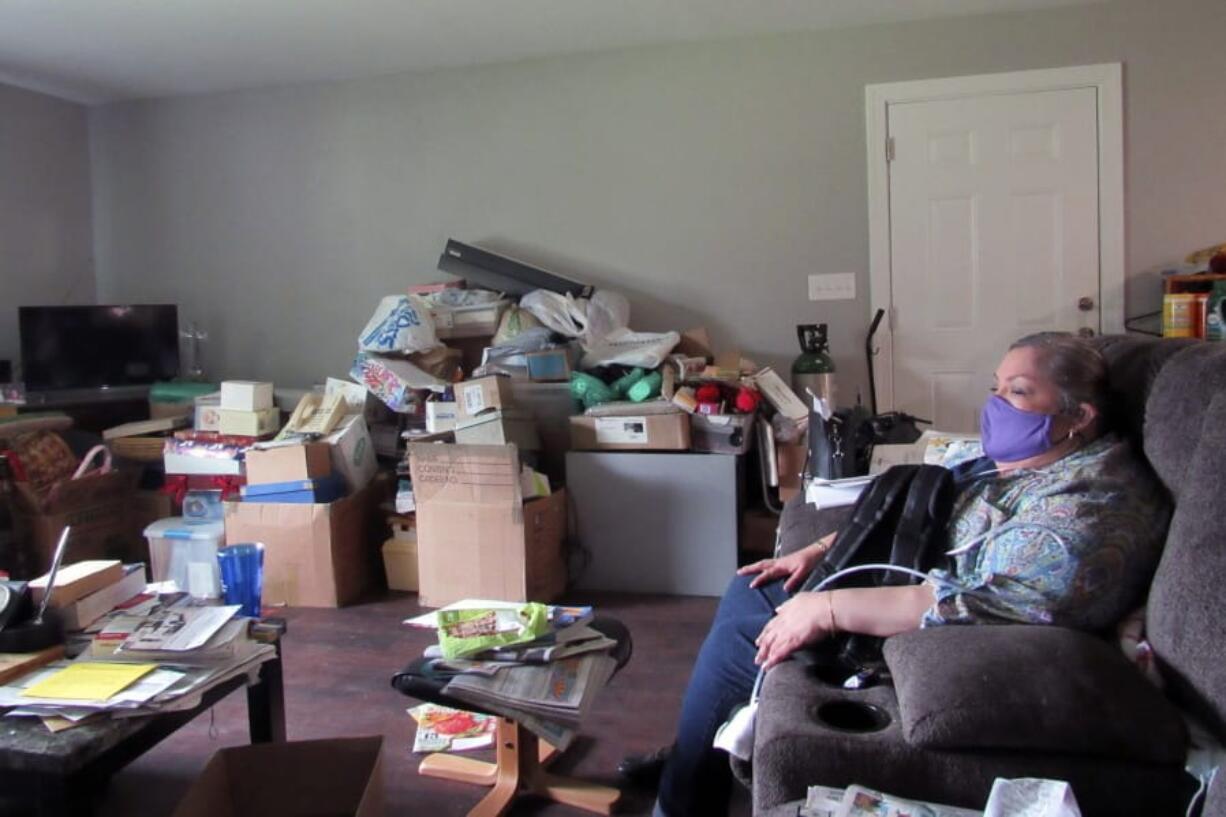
[(1013, 435)]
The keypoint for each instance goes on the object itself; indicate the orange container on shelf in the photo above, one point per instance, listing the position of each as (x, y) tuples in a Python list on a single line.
[(1178, 315)]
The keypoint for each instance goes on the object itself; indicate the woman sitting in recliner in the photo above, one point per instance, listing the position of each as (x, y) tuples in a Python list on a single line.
[(1058, 524)]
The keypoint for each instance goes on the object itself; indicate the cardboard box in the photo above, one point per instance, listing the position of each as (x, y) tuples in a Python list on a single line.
[(648, 432), (314, 555), (85, 611), (353, 452), (302, 491), (476, 537), (287, 463), (499, 428), (249, 423), (791, 460), (77, 580), (98, 509), (246, 395), (483, 394), (780, 395), (340, 777), (175, 463), (160, 410), (477, 321)]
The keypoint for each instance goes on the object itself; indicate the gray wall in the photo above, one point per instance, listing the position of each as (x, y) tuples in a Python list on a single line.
[(705, 181), (45, 240)]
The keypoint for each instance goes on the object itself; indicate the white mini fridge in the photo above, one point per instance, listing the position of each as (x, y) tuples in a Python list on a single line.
[(655, 522)]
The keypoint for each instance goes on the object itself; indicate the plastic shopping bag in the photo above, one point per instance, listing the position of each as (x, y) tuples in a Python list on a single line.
[(644, 349), (401, 323)]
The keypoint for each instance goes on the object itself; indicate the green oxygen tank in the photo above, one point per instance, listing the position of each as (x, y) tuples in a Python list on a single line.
[(813, 369)]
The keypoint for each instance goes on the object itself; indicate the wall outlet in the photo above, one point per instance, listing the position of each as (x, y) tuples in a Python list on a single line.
[(837, 286)]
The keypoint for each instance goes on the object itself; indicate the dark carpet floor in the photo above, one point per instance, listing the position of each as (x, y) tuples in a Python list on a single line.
[(337, 669)]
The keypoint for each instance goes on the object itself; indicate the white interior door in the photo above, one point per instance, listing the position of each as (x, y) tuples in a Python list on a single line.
[(994, 234)]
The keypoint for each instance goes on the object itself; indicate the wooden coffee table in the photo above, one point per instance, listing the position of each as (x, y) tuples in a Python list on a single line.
[(64, 773)]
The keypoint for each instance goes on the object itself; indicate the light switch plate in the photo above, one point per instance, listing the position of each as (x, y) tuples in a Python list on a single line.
[(837, 286)]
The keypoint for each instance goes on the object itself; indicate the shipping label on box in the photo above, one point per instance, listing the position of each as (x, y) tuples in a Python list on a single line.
[(246, 395), (621, 430)]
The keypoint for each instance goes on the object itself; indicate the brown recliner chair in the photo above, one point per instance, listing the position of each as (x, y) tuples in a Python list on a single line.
[(969, 704)]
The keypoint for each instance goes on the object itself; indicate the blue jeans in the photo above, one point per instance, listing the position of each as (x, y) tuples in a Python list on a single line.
[(697, 779)]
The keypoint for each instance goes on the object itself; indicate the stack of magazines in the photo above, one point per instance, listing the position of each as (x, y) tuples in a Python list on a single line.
[(155, 654), (546, 684)]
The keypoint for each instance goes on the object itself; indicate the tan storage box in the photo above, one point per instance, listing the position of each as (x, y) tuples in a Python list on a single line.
[(648, 432), (288, 463), (314, 555), (400, 564), (476, 537), (483, 394), (340, 777)]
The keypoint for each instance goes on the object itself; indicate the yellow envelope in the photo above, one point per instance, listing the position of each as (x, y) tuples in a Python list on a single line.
[(89, 681)]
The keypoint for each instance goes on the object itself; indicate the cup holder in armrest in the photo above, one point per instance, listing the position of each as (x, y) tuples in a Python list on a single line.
[(852, 716), (834, 675)]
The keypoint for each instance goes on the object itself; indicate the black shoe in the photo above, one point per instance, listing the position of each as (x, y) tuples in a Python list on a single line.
[(644, 769)]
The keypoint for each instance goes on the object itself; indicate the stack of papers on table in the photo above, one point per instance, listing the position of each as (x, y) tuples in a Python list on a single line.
[(547, 684), (159, 659)]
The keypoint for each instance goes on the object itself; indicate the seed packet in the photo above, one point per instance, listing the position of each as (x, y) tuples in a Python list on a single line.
[(465, 632)]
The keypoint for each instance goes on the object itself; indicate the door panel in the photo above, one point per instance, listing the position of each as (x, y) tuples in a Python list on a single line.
[(993, 235)]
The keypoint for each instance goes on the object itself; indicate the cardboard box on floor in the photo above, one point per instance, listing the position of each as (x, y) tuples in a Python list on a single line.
[(319, 555), (476, 537), (341, 777)]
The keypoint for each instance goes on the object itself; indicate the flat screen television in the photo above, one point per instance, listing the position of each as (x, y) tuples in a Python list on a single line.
[(94, 347)]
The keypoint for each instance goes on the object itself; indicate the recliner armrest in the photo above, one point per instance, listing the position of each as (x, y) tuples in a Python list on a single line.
[(1029, 687), (801, 524)]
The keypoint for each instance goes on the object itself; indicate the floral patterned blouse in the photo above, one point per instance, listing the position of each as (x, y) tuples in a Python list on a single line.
[(1073, 543)]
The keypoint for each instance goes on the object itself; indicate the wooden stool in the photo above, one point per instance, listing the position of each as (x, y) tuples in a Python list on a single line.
[(519, 771)]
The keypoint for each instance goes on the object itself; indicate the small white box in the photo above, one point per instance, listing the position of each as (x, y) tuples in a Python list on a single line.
[(246, 395), (440, 416)]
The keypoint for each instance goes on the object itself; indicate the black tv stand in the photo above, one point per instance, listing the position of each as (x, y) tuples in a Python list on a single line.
[(93, 409)]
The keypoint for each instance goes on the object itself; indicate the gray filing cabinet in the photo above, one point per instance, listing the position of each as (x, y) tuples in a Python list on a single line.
[(656, 522)]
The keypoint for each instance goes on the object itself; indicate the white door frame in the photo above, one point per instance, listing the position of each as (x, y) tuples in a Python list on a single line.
[(1106, 78)]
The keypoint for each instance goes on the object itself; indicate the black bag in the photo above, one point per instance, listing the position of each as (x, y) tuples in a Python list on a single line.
[(900, 519), (841, 446)]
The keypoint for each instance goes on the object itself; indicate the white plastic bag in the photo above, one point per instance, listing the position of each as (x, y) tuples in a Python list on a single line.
[(401, 323), (562, 313), (607, 312), (622, 346)]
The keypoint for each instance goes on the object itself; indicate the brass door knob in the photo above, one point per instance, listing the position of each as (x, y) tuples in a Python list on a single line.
[(1085, 304)]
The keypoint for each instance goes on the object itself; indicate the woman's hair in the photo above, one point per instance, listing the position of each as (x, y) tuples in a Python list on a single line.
[(1076, 368)]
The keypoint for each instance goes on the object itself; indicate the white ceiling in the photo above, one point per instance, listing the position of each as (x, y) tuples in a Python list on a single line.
[(102, 50)]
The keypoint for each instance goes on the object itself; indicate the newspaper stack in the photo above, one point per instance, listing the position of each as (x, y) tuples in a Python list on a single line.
[(160, 655), (1022, 797), (547, 685)]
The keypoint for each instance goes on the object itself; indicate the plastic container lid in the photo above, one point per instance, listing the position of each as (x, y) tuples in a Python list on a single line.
[(176, 527)]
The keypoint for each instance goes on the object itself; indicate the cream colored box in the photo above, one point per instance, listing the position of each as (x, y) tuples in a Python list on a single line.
[(249, 423)]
